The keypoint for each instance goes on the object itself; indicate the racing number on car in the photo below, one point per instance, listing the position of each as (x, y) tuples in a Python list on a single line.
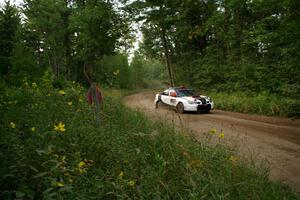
[(172, 101)]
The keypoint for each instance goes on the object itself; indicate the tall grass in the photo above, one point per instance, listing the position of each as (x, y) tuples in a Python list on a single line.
[(127, 157), (262, 103)]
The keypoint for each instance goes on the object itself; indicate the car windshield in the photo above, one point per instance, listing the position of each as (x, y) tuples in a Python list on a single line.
[(185, 92)]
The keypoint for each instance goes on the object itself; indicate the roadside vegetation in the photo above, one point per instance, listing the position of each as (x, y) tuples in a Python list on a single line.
[(51, 148), (259, 103)]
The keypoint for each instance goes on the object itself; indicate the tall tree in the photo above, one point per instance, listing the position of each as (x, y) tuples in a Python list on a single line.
[(47, 19), (161, 16), (9, 23), (96, 33)]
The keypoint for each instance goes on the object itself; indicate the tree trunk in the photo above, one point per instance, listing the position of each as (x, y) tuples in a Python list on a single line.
[(86, 74), (167, 57), (66, 17)]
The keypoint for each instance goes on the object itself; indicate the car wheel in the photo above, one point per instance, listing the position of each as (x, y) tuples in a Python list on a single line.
[(157, 104), (180, 108)]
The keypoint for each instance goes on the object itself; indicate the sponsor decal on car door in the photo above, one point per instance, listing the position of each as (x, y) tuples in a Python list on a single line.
[(173, 101), (165, 97)]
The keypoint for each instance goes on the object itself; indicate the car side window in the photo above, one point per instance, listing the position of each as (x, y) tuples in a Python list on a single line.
[(171, 91), (166, 92)]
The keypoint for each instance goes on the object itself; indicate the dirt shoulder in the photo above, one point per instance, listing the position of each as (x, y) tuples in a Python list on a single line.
[(274, 140)]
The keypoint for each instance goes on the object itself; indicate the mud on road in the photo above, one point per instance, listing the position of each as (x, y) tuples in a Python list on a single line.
[(273, 140)]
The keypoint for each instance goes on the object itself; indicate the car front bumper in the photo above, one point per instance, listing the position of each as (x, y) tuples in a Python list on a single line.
[(204, 108), (197, 107)]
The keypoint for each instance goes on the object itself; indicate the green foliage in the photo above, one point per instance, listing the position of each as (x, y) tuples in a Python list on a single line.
[(223, 45), (9, 24), (154, 70), (46, 22), (114, 71), (94, 23), (147, 72), (23, 65), (66, 36), (51, 149), (139, 71), (261, 103), (226, 45)]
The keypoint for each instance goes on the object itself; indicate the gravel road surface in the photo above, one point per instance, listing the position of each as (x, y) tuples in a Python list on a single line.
[(273, 140)]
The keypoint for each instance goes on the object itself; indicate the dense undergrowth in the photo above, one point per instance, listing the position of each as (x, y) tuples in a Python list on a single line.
[(51, 148), (263, 103)]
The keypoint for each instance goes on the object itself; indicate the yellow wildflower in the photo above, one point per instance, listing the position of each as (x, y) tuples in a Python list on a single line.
[(81, 167), (61, 92), (81, 163), (60, 184), (33, 129), (34, 85), (233, 158), (60, 127), (70, 103), (116, 72), (121, 174), (222, 135), (131, 183), (213, 131), (12, 125)]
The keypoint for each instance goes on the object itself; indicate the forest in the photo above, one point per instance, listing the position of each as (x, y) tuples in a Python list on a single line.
[(243, 53), (249, 46), (227, 45)]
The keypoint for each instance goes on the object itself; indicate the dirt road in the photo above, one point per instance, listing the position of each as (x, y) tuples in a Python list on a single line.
[(273, 140)]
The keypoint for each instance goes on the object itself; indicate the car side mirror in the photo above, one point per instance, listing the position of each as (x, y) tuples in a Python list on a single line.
[(173, 94)]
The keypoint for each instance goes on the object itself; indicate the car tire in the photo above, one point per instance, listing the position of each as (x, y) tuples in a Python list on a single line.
[(158, 103), (207, 111), (180, 108)]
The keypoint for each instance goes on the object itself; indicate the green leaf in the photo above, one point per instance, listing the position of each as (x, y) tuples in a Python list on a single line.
[(20, 194), (40, 175)]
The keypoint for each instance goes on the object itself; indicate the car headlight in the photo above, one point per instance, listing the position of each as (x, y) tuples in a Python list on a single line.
[(209, 99), (191, 102)]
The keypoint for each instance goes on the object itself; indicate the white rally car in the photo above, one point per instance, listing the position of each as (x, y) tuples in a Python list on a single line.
[(184, 100)]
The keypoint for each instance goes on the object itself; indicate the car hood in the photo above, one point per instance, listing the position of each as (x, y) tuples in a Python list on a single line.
[(192, 98), (188, 98)]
